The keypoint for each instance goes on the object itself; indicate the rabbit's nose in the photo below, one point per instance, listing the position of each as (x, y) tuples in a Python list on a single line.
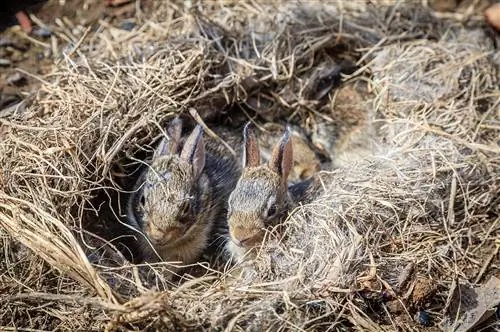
[(172, 233), (163, 236), (250, 240)]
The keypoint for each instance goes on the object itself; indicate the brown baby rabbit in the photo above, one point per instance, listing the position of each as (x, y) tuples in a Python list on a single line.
[(181, 199), (261, 197), (306, 161)]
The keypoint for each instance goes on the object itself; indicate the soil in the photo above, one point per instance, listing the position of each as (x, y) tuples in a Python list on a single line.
[(26, 57)]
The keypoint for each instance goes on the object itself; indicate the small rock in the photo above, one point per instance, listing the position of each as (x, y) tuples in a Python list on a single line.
[(395, 307), (492, 15), (423, 318), (127, 25), (424, 289), (5, 62), (470, 307)]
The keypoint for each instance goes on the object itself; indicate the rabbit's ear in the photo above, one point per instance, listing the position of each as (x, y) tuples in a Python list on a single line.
[(282, 158), (170, 145), (251, 155), (162, 149), (194, 150), (174, 130)]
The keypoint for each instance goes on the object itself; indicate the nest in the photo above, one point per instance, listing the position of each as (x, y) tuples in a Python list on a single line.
[(400, 222)]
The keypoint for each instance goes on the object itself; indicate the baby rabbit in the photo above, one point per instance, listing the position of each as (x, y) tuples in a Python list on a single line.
[(306, 161), (182, 197), (261, 197)]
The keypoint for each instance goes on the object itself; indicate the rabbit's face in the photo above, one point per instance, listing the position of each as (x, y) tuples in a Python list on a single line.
[(168, 202), (260, 198), (174, 190), (258, 202)]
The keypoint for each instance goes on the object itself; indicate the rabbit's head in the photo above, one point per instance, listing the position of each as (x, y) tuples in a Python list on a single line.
[(260, 198), (172, 192)]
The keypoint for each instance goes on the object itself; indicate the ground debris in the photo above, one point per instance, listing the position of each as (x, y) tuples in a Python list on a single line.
[(470, 307), (385, 228)]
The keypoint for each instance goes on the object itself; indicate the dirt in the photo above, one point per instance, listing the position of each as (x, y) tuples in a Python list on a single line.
[(25, 58), (424, 288)]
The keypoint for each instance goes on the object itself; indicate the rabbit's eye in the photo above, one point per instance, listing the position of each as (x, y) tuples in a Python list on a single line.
[(142, 201), (272, 211)]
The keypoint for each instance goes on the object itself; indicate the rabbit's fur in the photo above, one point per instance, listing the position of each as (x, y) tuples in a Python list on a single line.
[(260, 198), (181, 199), (306, 161)]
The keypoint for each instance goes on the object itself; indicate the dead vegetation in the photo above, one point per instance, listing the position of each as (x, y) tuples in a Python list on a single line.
[(389, 236)]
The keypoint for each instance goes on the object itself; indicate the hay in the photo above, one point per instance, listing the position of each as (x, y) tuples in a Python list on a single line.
[(425, 199)]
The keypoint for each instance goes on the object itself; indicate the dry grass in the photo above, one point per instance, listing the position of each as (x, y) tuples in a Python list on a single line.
[(423, 206)]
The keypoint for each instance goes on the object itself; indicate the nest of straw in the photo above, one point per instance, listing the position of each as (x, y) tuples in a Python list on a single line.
[(402, 224)]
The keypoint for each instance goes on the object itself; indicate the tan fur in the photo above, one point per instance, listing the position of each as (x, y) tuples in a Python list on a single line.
[(351, 137), (259, 191), (238, 254), (305, 160), (181, 199), (252, 153), (172, 240)]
